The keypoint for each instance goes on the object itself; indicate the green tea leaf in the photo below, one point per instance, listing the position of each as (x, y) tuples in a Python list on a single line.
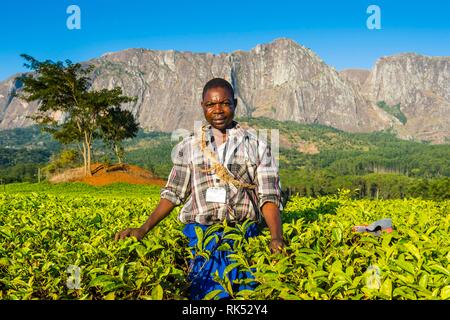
[(413, 250), (445, 293), (212, 294), (407, 266), (157, 292), (423, 282), (336, 235), (440, 269), (337, 285), (386, 288)]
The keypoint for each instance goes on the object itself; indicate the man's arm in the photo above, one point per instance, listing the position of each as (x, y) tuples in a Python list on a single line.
[(176, 191), (163, 209), (271, 214), (269, 194)]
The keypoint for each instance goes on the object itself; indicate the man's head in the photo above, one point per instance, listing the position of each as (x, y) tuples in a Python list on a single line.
[(218, 103)]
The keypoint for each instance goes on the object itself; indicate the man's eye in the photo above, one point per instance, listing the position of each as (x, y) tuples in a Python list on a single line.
[(225, 104)]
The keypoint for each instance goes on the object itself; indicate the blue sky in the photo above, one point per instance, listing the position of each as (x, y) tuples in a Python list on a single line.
[(337, 32)]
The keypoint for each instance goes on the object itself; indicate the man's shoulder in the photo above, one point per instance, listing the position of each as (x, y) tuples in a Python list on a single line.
[(258, 137), (185, 142)]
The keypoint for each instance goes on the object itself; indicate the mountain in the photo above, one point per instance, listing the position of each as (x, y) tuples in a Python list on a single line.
[(13, 111), (420, 85), (356, 77), (281, 80)]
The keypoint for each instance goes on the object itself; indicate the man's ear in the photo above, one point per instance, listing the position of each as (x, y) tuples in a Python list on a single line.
[(235, 102)]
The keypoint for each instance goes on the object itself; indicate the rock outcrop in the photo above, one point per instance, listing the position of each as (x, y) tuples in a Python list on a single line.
[(421, 85), (281, 80)]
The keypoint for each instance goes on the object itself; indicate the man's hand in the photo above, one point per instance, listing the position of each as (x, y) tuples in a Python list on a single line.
[(271, 214), (139, 233), (162, 210), (276, 245)]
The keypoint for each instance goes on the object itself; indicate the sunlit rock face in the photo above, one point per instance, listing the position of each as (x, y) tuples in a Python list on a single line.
[(281, 80)]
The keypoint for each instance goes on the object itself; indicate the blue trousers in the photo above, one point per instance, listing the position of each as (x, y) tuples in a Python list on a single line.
[(202, 271)]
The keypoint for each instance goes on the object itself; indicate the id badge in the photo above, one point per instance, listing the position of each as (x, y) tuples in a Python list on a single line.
[(216, 194)]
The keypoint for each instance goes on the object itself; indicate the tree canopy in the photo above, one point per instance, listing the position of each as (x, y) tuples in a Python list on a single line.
[(64, 90)]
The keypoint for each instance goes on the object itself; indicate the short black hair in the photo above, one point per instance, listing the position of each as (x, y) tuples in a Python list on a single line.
[(218, 83)]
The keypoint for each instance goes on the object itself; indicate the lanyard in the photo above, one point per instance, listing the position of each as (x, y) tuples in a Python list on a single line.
[(224, 151)]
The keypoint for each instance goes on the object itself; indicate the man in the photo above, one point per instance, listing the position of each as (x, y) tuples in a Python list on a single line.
[(221, 172)]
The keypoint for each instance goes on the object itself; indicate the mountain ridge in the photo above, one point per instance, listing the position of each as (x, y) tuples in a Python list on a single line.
[(282, 80)]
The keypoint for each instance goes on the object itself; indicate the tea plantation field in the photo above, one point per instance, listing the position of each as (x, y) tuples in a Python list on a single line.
[(58, 243)]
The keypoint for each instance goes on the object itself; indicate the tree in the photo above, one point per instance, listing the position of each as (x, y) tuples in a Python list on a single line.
[(116, 126), (65, 159), (64, 89)]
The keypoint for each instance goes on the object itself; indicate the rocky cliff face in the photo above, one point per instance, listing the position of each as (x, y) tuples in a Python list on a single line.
[(285, 81), (421, 85), (280, 80), (356, 77), (13, 111)]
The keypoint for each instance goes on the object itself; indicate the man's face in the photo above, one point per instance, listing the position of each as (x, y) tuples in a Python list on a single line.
[(218, 107)]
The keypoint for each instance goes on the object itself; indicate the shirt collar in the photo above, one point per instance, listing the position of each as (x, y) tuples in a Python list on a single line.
[(236, 131)]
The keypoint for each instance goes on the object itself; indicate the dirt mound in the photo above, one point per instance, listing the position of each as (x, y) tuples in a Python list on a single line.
[(103, 175)]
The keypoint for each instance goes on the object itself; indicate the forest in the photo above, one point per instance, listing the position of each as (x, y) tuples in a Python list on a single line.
[(374, 165)]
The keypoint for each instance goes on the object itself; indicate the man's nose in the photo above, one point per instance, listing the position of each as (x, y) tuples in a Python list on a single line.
[(218, 108)]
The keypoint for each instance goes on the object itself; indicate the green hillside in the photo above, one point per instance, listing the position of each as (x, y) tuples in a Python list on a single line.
[(314, 159)]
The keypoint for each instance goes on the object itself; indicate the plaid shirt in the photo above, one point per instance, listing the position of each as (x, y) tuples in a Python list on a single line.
[(247, 158)]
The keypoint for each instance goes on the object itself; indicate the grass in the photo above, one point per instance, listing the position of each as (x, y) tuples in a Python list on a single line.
[(115, 190)]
